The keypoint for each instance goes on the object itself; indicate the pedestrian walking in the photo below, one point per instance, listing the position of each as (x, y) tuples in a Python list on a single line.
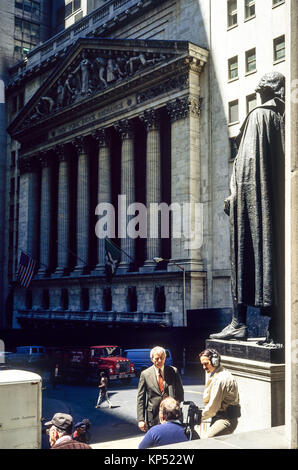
[(103, 390)]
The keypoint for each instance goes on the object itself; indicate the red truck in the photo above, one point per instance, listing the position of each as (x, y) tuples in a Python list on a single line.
[(88, 362)]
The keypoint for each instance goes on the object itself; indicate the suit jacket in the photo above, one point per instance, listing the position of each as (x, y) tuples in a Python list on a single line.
[(149, 395)]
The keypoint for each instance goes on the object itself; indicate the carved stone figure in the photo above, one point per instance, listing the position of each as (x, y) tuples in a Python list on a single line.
[(112, 70), (136, 61), (60, 94), (256, 210), (84, 69), (70, 90), (101, 64)]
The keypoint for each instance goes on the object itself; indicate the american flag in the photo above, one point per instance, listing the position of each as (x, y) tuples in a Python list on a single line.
[(26, 270)]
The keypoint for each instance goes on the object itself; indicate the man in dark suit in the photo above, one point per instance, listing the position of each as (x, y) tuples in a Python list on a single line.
[(156, 382), (60, 433)]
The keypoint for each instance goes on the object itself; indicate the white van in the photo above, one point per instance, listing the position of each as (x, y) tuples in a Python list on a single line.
[(141, 358), (20, 410)]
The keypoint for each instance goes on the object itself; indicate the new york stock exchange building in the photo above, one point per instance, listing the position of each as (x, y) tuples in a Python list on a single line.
[(122, 110)]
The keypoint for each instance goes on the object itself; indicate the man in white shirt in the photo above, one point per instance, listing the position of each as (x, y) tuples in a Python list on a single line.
[(156, 382), (221, 397)]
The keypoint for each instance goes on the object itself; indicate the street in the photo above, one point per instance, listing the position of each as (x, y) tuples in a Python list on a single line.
[(106, 424)]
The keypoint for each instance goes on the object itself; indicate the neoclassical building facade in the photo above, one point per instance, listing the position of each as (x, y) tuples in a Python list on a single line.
[(115, 120)]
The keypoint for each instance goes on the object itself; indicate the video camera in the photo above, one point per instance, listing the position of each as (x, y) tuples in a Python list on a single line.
[(191, 416)]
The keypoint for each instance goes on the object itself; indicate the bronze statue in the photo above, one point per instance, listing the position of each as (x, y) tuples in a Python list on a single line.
[(256, 210)]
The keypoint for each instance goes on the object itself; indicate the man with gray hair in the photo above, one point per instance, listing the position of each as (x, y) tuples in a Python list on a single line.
[(156, 383), (256, 210)]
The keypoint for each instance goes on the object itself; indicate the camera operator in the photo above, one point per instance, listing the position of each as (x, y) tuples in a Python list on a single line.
[(221, 397), (170, 431)]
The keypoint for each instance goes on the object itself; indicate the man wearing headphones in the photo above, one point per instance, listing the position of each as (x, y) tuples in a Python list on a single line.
[(221, 397)]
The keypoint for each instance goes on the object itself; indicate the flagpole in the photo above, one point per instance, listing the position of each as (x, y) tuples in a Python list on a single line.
[(71, 252), (119, 248), (22, 251)]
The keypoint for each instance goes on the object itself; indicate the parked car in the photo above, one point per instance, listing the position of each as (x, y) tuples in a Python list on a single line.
[(25, 355), (141, 358)]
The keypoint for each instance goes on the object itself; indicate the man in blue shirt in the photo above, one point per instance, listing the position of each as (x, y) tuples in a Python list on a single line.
[(170, 431)]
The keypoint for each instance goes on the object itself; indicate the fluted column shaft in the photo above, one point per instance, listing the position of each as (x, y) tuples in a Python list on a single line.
[(28, 208), (125, 129), (104, 194), (153, 189), (63, 212), (45, 215), (82, 239)]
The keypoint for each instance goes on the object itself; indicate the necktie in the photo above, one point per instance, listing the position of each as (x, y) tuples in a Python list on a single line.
[(160, 382)]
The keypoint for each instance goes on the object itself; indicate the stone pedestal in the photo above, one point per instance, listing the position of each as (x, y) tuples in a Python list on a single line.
[(261, 382)]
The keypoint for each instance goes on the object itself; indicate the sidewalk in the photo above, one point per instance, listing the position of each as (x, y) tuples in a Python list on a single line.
[(273, 438)]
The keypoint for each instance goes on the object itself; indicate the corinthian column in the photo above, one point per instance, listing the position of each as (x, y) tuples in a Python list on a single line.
[(82, 240), (185, 182), (125, 129), (45, 215), (63, 211), (151, 119), (28, 208), (104, 194)]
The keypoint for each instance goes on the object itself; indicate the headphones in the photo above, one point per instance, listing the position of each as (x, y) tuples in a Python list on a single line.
[(214, 358)]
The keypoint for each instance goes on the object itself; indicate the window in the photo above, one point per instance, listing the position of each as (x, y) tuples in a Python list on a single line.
[(279, 48), (233, 67), (233, 148), (18, 26), (31, 7), (85, 298), (132, 300), (21, 48), (72, 7), (45, 299), (277, 2), (250, 61), (64, 299), (251, 102), (27, 35), (250, 9), (232, 13), (28, 299), (107, 299), (233, 112)]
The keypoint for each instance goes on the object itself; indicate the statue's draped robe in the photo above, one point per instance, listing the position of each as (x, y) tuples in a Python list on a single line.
[(257, 209)]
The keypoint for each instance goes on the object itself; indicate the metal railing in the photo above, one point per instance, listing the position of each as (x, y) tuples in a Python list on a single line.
[(164, 318)]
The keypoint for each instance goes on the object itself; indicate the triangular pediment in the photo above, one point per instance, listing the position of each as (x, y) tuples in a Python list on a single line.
[(92, 68)]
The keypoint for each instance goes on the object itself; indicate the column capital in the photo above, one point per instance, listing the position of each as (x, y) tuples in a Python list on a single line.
[(61, 153), (182, 108), (125, 128), (43, 158), (81, 144), (27, 165), (101, 136), (151, 119)]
